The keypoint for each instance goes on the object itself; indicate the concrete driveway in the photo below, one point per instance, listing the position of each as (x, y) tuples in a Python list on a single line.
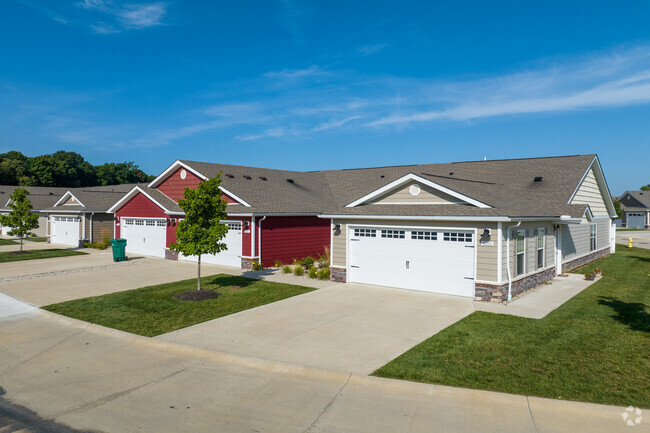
[(343, 327), (99, 379), (641, 238)]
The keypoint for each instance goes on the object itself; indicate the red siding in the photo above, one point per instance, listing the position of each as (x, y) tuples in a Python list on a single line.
[(174, 187), (286, 238), (140, 206)]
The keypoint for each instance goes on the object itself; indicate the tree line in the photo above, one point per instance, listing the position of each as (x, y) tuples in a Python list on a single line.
[(65, 169)]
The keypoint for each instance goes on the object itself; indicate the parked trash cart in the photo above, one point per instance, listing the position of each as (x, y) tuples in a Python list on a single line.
[(119, 249)]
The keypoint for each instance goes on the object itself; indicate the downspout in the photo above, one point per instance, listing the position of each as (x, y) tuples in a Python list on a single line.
[(91, 226), (508, 258), (259, 234)]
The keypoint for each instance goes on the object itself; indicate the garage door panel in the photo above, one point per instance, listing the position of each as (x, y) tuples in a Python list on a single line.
[(636, 220), (229, 257), (433, 261), (65, 230), (145, 236)]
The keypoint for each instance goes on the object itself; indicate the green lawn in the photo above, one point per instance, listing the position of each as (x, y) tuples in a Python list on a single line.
[(37, 239), (152, 310), (14, 256), (4, 242), (594, 348)]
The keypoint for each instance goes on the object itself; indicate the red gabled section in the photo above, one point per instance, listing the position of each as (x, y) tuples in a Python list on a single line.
[(288, 238), (140, 206), (174, 187)]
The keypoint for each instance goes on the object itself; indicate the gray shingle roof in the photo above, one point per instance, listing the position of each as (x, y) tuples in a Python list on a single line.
[(642, 196), (506, 185), (42, 197), (94, 199)]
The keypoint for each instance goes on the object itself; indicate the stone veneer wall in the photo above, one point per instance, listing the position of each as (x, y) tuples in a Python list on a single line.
[(171, 254), (499, 293), (581, 261), (338, 274), (247, 263)]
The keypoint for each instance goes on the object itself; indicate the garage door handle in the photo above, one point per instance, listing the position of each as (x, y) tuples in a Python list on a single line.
[(352, 266), (469, 246), (469, 278)]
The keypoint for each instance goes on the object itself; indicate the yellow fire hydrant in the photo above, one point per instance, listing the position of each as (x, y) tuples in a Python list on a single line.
[(630, 241)]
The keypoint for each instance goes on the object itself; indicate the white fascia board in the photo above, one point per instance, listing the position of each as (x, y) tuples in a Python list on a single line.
[(132, 194), (420, 217), (415, 177), (170, 169), (64, 196), (225, 191), (602, 182)]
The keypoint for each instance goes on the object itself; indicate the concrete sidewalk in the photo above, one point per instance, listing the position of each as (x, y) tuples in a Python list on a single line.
[(537, 303), (91, 377)]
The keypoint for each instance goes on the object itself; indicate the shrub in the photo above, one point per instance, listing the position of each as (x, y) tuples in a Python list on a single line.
[(324, 274), (323, 261), (277, 263), (298, 271), (313, 272), (286, 269), (257, 266), (307, 262)]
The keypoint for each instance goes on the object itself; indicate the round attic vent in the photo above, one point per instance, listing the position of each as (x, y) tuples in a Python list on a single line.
[(414, 189), (183, 174)]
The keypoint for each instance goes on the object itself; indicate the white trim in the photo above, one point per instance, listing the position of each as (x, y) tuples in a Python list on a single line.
[(83, 226), (132, 194), (172, 167), (64, 196), (337, 267), (517, 275), (224, 190), (423, 202), (252, 233), (537, 248), (332, 240), (409, 177), (422, 217), (500, 252)]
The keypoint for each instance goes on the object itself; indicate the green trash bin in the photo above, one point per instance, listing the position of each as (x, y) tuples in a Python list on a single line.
[(119, 249)]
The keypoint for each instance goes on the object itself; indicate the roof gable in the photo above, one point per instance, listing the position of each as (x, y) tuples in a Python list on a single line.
[(593, 191), (636, 199), (413, 192), (441, 193), (68, 199)]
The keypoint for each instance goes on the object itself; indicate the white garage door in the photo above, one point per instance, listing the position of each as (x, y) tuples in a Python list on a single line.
[(145, 236), (635, 221), (430, 260), (229, 257), (65, 230), (5, 229)]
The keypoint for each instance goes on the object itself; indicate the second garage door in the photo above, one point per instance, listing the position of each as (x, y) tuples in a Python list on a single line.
[(635, 221), (145, 236), (65, 230), (229, 257), (431, 260)]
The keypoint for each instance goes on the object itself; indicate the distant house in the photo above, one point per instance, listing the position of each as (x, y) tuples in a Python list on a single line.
[(636, 210), (488, 230), (41, 197)]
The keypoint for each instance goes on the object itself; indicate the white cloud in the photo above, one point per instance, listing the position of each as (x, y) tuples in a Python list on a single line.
[(372, 49), (125, 16)]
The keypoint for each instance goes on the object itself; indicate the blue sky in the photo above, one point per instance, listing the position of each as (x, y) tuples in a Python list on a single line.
[(308, 85)]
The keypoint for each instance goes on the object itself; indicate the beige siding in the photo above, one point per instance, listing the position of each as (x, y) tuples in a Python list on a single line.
[(530, 248), (71, 201), (589, 193), (486, 256), (602, 233), (427, 194), (42, 225), (575, 240), (102, 222)]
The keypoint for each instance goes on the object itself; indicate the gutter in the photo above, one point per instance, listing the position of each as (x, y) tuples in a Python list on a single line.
[(508, 259), (259, 234)]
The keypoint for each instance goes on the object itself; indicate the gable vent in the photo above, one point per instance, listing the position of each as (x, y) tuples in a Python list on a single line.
[(290, 180), (230, 175), (538, 179), (247, 177), (262, 177)]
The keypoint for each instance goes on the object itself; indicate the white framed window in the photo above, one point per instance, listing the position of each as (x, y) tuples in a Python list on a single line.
[(365, 233), (457, 237), (424, 235), (520, 251), (393, 234), (541, 244), (593, 230)]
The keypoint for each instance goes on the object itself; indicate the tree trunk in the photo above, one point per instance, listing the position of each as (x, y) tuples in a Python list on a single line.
[(199, 275), (21, 244)]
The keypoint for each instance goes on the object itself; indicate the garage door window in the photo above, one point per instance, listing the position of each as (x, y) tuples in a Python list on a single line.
[(520, 251), (424, 236), (234, 226), (457, 237), (393, 234), (365, 233)]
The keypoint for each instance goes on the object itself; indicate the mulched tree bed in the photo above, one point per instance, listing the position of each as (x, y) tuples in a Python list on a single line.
[(197, 295)]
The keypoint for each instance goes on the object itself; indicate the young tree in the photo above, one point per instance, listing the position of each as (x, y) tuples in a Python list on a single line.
[(20, 219), (201, 232), (617, 207), (645, 187)]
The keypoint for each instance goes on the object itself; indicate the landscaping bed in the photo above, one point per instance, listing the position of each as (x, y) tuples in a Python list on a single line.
[(594, 348), (154, 310), (15, 256)]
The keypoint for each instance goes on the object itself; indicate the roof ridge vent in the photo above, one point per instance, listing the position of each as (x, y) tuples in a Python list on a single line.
[(247, 177), (263, 177), (537, 179), (229, 175)]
